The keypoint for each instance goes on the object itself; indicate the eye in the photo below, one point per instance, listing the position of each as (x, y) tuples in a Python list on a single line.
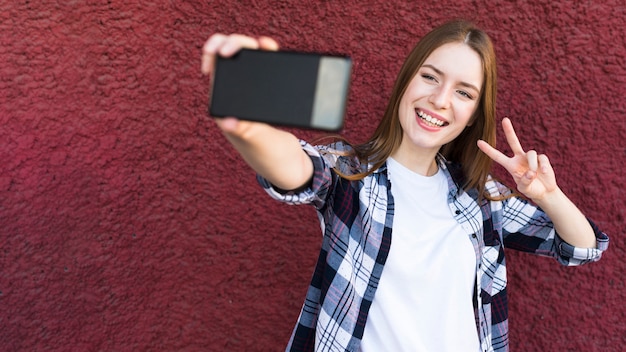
[(465, 94), (428, 77)]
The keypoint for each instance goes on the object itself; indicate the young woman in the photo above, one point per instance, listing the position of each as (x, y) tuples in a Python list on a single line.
[(414, 227)]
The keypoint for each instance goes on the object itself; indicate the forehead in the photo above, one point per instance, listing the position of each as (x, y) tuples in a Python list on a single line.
[(457, 61)]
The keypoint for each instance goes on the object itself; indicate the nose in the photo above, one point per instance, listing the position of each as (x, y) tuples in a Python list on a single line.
[(440, 97)]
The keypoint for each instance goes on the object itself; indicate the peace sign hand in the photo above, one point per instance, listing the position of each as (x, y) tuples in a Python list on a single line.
[(532, 173)]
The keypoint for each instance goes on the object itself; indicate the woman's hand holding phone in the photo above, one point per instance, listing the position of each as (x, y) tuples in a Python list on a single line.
[(274, 154), (227, 46), (282, 88)]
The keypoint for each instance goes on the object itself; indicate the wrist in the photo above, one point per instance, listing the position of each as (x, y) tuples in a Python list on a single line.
[(551, 198)]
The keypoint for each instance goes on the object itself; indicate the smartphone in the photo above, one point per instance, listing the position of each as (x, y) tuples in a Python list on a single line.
[(307, 90)]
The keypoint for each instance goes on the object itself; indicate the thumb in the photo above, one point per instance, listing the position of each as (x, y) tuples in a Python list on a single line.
[(529, 177), (227, 124)]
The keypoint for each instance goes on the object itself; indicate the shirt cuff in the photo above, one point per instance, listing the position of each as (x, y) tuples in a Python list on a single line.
[(571, 255), (310, 194)]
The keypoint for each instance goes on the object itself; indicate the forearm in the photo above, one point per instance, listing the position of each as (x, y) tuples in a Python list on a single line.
[(274, 154), (569, 222)]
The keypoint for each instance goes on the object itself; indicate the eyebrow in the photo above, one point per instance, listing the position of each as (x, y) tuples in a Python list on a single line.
[(441, 73)]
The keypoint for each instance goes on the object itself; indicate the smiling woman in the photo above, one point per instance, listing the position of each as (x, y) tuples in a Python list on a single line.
[(398, 207), (438, 105)]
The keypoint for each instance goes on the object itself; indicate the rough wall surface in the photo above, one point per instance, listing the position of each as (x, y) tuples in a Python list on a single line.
[(128, 224)]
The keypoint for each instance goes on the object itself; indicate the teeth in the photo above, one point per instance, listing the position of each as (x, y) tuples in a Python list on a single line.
[(430, 119)]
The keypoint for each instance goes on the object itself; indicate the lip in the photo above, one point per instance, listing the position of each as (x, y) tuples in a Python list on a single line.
[(430, 128)]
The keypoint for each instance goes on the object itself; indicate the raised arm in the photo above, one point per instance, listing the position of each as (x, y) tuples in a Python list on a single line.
[(274, 154), (535, 178)]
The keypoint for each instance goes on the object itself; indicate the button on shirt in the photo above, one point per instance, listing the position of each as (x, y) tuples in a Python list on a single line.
[(356, 219)]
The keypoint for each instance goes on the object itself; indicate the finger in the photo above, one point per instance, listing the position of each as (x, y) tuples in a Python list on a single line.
[(226, 46), (209, 50), (236, 42), (544, 164), (493, 153), (213, 44), (531, 159), (267, 43), (511, 137), (533, 163)]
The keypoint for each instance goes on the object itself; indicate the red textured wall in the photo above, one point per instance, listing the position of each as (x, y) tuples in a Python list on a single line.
[(128, 224)]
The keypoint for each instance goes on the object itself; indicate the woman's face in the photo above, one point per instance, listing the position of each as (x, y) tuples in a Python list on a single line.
[(440, 100)]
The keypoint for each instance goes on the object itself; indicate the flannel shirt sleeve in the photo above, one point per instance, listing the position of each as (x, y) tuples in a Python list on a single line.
[(571, 255), (527, 228), (318, 189)]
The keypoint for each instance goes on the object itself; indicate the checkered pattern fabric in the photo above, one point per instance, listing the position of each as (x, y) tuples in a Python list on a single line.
[(356, 221)]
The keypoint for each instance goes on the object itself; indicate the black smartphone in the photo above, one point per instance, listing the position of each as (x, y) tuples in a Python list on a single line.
[(307, 90)]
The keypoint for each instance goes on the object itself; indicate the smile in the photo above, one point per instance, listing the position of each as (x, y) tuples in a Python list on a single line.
[(430, 121)]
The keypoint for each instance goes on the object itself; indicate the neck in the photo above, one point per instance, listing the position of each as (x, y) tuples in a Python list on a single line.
[(424, 164)]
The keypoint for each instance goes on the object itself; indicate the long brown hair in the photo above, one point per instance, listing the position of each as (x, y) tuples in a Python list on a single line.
[(463, 149)]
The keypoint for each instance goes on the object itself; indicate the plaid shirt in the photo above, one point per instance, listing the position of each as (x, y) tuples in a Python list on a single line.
[(356, 219)]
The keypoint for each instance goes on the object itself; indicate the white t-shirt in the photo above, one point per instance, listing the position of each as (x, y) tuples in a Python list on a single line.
[(424, 299)]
